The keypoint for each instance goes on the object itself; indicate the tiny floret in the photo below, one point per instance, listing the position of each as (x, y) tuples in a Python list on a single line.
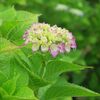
[(46, 38)]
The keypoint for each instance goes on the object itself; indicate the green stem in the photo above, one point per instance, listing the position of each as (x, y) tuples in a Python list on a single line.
[(42, 70)]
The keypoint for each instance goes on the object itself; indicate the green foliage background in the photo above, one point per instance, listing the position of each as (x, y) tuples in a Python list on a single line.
[(82, 17)]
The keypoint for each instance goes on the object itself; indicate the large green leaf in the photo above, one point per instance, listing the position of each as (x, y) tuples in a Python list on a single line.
[(14, 28), (22, 22), (15, 61), (55, 68), (22, 93), (64, 89), (33, 60), (35, 80), (8, 64), (10, 67)]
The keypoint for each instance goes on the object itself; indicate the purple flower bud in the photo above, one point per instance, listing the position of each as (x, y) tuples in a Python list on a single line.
[(54, 53), (73, 43), (70, 36), (54, 50), (25, 35), (61, 47)]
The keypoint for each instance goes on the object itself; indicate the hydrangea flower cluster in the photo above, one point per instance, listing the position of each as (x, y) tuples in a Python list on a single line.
[(53, 39)]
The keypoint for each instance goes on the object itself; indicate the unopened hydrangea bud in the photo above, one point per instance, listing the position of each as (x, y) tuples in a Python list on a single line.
[(44, 48), (53, 39), (35, 47), (67, 47), (61, 47), (54, 50)]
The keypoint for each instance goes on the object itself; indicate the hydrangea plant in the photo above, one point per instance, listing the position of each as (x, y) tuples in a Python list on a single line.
[(35, 70)]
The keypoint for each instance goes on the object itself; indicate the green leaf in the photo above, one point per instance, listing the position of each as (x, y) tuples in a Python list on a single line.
[(6, 46), (9, 12), (3, 78), (9, 65), (71, 56), (2, 92), (43, 90), (37, 61), (14, 28), (63, 98), (61, 89), (55, 68), (35, 80), (15, 61), (22, 22), (10, 85), (25, 93), (22, 93), (33, 61)]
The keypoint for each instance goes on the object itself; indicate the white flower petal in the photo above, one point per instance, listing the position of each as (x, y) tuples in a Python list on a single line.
[(44, 48), (35, 47)]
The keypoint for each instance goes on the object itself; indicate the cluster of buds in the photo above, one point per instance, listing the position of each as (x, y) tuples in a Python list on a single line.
[(53, 39)]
